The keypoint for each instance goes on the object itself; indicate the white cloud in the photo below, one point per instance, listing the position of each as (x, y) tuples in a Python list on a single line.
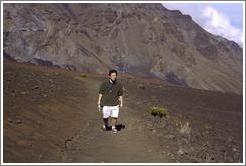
[(211, 19), (217, 23)]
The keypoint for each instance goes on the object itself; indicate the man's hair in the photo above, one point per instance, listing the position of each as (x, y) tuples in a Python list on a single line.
[(112, 71)]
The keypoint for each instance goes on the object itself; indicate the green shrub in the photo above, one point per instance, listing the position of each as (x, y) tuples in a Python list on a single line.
[(158, 111), (83, 75)]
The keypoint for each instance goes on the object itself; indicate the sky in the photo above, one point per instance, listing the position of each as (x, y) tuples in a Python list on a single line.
[(224, 19)]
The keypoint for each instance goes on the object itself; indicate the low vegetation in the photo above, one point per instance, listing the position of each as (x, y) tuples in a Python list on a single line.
[(159, 113)]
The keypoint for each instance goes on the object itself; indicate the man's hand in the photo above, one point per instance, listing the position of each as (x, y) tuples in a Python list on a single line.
[(99, 107)]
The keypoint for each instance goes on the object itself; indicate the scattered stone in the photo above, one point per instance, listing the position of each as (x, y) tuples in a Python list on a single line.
[(13, 92), (184, 140), (35, 87), (181, 152), (170, 136), (39, 123), (138, 103), (192, 149), (18, 121), (40, 156), (223, 150), (169, 154), (141, 86), (230, 140), (149, 151), (10, 120), (207, 126), (68, 139), (23, 93)]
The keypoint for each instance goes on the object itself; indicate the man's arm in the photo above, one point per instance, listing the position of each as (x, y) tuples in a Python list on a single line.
[(101, 92), (120, 94), (121, 101), (99, 99)]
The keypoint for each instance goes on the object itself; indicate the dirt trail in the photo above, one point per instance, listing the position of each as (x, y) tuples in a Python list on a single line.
[(131, 144)]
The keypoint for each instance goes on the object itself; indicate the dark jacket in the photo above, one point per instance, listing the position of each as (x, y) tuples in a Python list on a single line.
[(110, 93)]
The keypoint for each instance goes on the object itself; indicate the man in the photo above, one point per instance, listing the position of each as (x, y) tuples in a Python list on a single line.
[(110, 99)]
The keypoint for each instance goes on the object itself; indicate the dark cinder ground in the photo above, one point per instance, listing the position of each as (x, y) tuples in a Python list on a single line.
[(51, 115)]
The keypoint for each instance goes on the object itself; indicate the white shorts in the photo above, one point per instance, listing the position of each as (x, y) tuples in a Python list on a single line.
[(110, 111)]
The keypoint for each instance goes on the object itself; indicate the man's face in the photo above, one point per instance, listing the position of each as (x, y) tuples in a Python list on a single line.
[(113, 76)]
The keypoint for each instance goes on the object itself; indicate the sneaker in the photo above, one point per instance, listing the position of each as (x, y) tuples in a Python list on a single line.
[(104, 127), (114, 130)]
